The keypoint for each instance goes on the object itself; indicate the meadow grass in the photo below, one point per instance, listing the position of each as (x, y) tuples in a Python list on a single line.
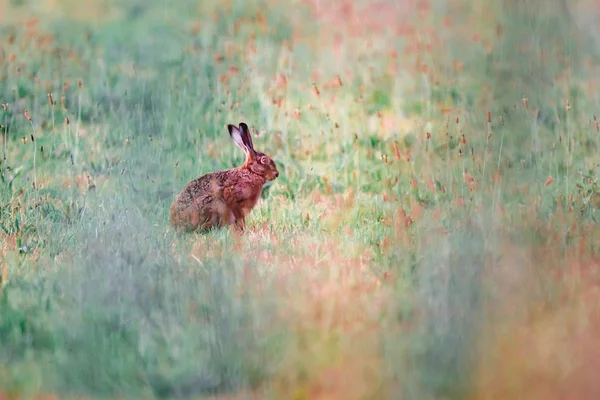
[(432, 234)]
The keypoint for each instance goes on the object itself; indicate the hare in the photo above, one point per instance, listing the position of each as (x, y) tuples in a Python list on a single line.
[(223, 198)]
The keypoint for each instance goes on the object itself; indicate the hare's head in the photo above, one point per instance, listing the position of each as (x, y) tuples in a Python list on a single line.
[(257, 162)]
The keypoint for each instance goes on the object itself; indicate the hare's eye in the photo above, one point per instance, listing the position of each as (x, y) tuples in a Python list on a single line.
[(264, 160)]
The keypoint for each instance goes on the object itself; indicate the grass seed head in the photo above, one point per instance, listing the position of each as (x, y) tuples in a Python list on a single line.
[(316, 89)]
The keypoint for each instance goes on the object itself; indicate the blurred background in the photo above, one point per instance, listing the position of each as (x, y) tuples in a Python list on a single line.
[(432, 234)]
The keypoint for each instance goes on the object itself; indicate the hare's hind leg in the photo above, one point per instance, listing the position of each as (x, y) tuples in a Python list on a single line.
[(185, 220)]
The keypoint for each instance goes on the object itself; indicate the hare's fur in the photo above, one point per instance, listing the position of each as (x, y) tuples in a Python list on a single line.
[(223, 198)]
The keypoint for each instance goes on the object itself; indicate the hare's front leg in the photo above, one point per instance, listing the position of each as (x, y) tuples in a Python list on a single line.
[(239, 220), (240, 200), (241, 224)]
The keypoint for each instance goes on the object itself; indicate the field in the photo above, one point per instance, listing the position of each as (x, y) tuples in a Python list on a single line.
[(432, 235)]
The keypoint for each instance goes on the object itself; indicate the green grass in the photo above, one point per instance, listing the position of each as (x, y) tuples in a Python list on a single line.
[(332, 292)]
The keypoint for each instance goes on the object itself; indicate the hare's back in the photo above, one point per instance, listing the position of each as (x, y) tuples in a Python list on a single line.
[(206, 185)]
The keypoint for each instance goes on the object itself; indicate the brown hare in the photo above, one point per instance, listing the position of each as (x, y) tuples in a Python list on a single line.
[(223, 198)]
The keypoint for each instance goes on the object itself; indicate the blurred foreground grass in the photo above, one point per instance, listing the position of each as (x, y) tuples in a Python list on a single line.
[(432, 234)]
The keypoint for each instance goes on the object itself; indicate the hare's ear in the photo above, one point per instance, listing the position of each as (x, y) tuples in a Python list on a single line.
[(246, 136), (236, 135)]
